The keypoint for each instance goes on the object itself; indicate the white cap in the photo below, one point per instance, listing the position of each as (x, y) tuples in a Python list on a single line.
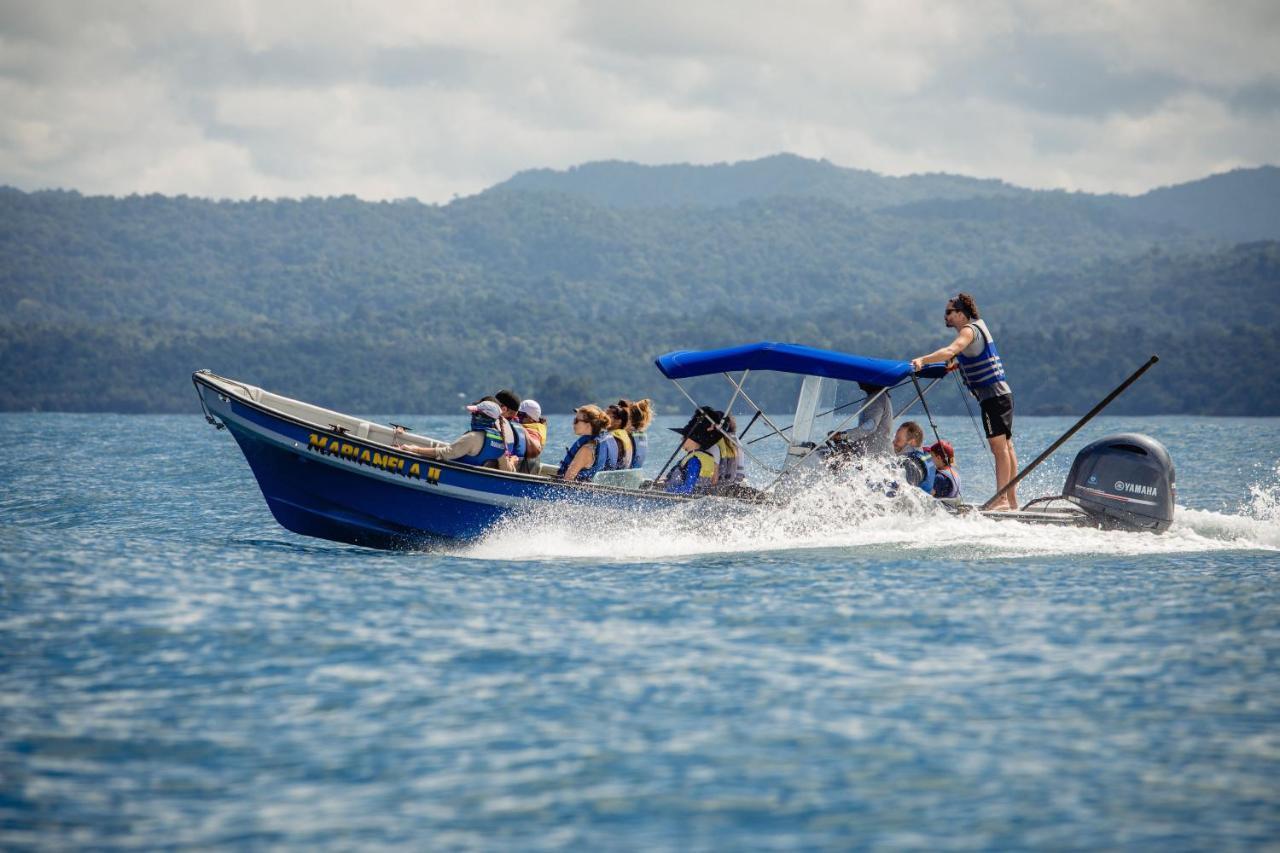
[(488, 408), (531, 408)]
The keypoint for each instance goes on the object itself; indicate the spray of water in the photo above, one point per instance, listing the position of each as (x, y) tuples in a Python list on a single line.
[(822, 510), (1256, 525), (1264, 499)]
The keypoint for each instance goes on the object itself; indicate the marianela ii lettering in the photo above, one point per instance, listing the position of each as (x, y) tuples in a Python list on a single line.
[(362, 455)]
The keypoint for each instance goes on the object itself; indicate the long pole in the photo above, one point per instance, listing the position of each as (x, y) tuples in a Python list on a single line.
[(752, 423), (1066, 435)]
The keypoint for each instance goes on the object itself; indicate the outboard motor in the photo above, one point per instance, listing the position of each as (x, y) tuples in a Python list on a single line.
[(1124, 481)]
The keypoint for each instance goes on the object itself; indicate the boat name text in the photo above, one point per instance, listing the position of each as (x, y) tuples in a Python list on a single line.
[(373, 458)]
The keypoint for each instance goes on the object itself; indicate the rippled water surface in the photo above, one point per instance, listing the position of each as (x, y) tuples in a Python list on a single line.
[(176, 670)]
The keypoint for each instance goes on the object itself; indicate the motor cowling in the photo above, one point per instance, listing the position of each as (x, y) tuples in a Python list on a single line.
[(1124, 481)]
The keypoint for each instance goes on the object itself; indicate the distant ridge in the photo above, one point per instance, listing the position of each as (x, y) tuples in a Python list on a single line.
[(1240, 205), (1243, 204), (615, 183)]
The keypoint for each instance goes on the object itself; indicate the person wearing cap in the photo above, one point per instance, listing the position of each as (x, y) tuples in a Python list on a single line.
[(522, 444), (593, 451), (529, 414), (487, 442), (917, 464), (975, 354), (696, 471), (947, 482)]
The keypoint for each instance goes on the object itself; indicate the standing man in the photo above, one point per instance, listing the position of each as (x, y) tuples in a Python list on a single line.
[(974, 350)]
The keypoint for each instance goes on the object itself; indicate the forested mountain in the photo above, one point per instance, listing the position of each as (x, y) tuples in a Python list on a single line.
[(618, 184), (1240, 206), (110, 303)]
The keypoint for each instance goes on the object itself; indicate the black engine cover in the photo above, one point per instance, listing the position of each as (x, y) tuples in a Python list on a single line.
[(1124, 481)]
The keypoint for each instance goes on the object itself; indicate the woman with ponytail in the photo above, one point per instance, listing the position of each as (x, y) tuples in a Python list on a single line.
[(641, 412)]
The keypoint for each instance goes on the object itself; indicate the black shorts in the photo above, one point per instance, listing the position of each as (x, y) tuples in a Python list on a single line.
[(997, 415)]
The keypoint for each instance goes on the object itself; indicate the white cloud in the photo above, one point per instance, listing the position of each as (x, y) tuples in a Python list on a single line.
[(391, 99)]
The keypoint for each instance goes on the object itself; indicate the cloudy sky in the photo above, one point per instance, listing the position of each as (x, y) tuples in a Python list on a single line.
[(236, 98)]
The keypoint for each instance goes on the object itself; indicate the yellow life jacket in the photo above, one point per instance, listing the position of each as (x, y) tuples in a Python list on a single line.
[(708, 469), (624, 442)]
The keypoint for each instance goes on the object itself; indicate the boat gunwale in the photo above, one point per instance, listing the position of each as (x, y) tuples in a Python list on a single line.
[(208, 378)]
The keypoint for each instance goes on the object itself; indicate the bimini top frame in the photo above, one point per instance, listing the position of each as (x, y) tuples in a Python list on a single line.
[(791, 358)]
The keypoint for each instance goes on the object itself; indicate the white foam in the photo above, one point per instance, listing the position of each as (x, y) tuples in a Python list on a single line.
[(847, 514), (1256, 526)]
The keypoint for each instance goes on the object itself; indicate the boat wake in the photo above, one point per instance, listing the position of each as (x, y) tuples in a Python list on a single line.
[(853, 515)]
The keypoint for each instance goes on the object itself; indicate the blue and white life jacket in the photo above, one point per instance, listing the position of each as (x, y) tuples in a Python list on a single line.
[(947, 483), (495, 444), (606, 456), (985, 368), (639, 449), (925, 458), (606, 453), (519, 441)]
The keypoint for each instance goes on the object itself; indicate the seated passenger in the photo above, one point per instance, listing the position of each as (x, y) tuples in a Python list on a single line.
[(695, 472), (535, 426), (641, 414), (875, 423), (594, 451), (509, 402), (619, 419), (488, 440), (917, 463), (947, 482), (730, 458)]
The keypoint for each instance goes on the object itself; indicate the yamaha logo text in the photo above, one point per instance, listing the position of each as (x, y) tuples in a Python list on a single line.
[(1135, 488)]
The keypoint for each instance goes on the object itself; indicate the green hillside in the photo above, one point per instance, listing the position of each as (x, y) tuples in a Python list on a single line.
[(1242, 205), (1238, 206), (110, 303), (619, 184)]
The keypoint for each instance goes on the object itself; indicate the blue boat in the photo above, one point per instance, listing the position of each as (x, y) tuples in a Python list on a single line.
[(339, 477), (334, 476)]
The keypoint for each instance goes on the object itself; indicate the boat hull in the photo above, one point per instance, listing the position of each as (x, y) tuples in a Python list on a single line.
[(328, 484)]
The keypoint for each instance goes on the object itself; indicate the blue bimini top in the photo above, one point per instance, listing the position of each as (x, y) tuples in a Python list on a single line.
[(791, 358)]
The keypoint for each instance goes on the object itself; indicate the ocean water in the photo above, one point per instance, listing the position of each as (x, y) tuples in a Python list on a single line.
[(177, 671)]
